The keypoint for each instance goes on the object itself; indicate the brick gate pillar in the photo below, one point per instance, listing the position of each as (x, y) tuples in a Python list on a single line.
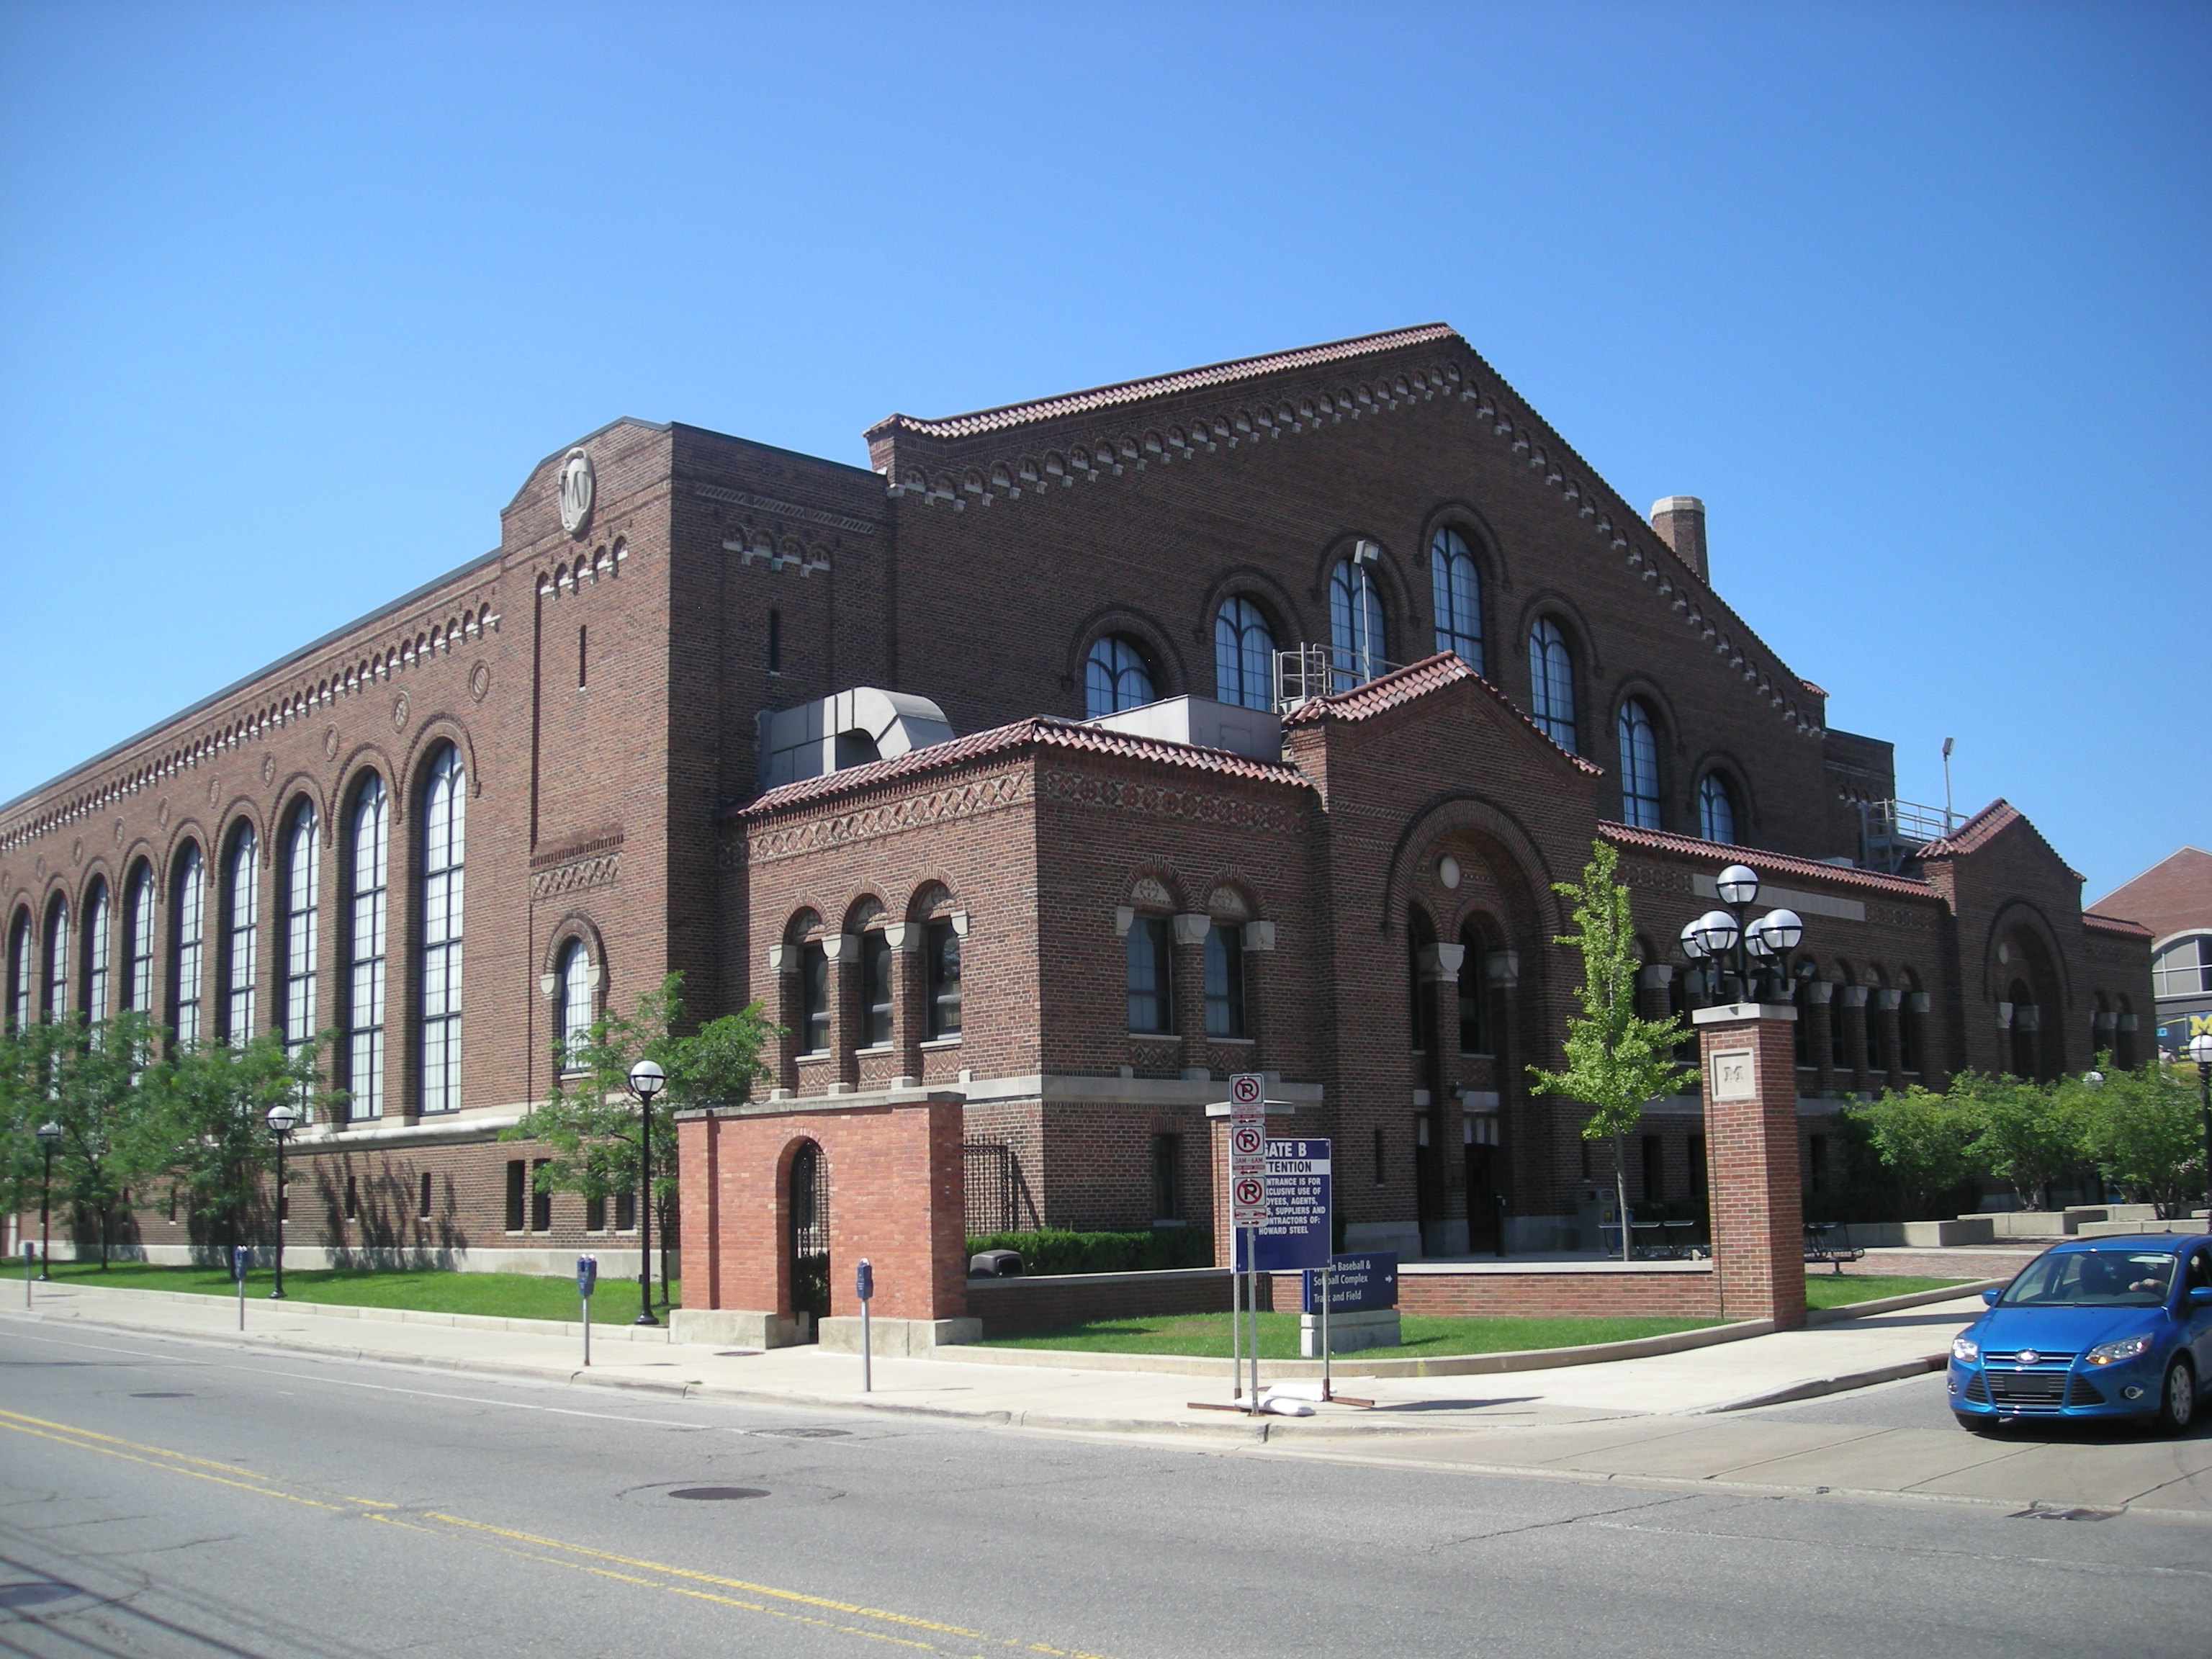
[(1749, 1057)]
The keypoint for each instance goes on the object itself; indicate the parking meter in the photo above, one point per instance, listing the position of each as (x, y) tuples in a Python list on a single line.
[(30, 1260), (587, 1281), (864, 1285), (864, 1279), (240, 1258)]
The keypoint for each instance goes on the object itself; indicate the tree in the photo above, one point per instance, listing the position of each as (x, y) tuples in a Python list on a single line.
[(102, 1089), (1925, 1139), (1616, 1060), (215, 1116), (2142, 1130), (589, 1119), (2023, 1135)]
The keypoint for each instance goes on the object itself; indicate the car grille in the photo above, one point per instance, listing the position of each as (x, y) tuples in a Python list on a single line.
[(2043, 1357), (2038, 1390)]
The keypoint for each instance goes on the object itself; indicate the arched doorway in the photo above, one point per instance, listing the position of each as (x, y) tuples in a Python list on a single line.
[(807, 1238)]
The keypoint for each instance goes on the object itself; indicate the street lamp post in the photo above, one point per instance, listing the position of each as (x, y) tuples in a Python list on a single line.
[(282, 1119), (1771, 939), (49, 1132), (647, 1079), (2200, 1050)]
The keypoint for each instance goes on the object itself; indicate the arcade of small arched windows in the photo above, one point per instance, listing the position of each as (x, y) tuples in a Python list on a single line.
[(221, 938), (872, 999), (1190, 981)]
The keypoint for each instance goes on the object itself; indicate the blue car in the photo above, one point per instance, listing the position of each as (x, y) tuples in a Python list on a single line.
[(2094, 1328)]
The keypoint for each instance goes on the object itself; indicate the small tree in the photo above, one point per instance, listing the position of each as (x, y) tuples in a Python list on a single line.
[(590, 1119), (1926, 1141), (215, 1103), (2023, 1134), (100, 1087), (1616, 1060), (2142, 1130)]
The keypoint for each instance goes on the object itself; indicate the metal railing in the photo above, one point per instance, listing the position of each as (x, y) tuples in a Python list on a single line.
[(1304, 673), (1891, 831)]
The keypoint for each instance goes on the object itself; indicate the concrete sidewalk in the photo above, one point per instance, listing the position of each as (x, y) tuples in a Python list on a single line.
[(1708, 1419)]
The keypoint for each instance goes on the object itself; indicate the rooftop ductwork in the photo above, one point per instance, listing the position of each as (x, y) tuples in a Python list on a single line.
[(849, 729)]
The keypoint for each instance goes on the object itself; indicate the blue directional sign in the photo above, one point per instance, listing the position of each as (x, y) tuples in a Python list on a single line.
[(1358, 1284), (1297, 1232)]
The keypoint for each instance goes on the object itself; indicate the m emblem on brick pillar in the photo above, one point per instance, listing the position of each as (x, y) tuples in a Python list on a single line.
[(1751, 1141)]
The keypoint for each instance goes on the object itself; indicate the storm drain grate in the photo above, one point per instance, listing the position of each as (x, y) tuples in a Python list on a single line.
[(717, 1494), (2076, 1513), (804, 1434)]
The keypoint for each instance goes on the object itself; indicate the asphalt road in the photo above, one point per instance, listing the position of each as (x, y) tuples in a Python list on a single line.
[(159, 1497)]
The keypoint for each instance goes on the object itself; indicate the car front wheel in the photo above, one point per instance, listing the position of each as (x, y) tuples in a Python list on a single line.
[(2177, 1404)]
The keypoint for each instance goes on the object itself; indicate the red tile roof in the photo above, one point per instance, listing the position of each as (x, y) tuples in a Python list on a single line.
[(2115, 924), (1161, 385), (1040, 731), (1984, 827), (1766, 863), (1416, 680)]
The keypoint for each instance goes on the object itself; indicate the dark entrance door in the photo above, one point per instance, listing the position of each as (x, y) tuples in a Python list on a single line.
[(1485, 1215), (809, 1242)]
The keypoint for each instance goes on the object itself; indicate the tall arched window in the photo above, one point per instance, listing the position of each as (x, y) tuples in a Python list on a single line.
[(573, 1015), (1115, 676), (139, 939), (444, 844), (1716, 808), (97, 914), (1456, 595), (1639, 766), (241, 907), (365, 879), (303, 888), (1355, 627), (187, 955), (1552, 682), (1243, 655), (57, 943), (20, 977)]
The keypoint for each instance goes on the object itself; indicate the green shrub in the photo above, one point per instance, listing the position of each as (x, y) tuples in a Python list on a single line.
[(1054, 1250)]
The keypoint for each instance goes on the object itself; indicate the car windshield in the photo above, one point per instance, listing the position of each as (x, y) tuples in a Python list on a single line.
[(2093, 1278)]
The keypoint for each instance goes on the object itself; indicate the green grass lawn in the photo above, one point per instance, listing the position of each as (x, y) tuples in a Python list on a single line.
[(502, 1296), (1207, 1335), (1825, 1288)]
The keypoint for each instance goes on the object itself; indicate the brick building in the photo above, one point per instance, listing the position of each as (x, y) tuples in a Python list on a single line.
[(1062, 759), (2173, 900)]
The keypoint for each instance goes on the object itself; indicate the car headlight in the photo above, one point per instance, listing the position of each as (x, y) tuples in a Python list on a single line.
[(2112, 1353), (1966, 1349)]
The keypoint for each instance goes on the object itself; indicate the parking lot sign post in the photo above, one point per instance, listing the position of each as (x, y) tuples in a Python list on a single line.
[(1248, 1211)]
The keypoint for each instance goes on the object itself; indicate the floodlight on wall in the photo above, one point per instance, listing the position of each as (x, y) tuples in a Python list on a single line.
[(1738, 886)]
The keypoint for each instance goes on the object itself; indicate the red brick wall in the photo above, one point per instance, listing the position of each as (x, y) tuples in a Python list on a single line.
[(1758, 1232), (1541, 1294), (1016, 1307)]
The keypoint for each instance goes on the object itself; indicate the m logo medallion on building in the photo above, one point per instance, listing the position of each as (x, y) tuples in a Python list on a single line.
[(577, 487)]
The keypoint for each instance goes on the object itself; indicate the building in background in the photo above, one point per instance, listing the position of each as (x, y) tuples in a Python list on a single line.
[(2174, 899), (1071, 755)]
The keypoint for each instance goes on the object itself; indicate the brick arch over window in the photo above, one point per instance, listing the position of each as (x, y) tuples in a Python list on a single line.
[(866, 910), (1508, 849), (355, 764), (2021, 915), (285, 799), (934, 897), (1402, 607), (1168, 897), (21, 967), (431, 733), (1256, 586), (1169, 677), (1742, 799), (803, 924)]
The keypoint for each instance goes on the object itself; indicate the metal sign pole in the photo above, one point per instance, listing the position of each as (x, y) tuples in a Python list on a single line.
[(1236, 1322), (30, 1253), (238, 1272), (1327, 1295), (1252, 1266)]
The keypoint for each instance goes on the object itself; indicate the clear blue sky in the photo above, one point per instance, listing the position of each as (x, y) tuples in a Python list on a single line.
[(1917, 297)]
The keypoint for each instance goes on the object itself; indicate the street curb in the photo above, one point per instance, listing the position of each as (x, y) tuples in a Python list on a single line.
[(1816, 1387), (1911, 1299), (606, 1332)]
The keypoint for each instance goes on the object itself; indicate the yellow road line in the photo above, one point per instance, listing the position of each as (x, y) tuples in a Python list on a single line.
[(154, 1463)]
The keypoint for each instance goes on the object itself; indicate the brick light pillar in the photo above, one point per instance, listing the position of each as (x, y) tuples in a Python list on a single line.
[(1749, 1061)]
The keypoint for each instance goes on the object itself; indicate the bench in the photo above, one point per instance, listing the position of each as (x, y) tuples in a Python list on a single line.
[(1821, 1245)]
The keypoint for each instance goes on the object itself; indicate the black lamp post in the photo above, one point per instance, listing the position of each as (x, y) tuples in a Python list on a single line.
[(2200, 1050), (282, 1119), (49, 1132), (647, 1079), (1771, 939)]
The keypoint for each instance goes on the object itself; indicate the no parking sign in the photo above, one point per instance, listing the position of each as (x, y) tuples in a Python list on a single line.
[(1248, 1150)]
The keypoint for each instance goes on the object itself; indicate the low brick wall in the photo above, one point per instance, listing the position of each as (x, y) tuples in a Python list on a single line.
[(1660, 1292), (1018, 1307)]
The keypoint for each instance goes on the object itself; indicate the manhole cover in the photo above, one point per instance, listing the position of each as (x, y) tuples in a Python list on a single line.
[(804, 1434), (717, 1494), (158, 1394), (2074, 1514)]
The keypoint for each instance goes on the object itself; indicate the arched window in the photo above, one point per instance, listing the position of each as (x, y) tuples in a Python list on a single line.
[(366, 876), (876, 987), (1148, 965), (138, 936), (97, 914), (241, 897), (1243, 655), (1115, 676), (1552, 682), (573, 1016), (19, 973), (1223, 967), (445, 812), (188, 945), (301, 890), (1716, 809), (2182, 967), (57, 943), (1639, 766), (1355, 627), (1456, 595), (814, 993), (941, 945)]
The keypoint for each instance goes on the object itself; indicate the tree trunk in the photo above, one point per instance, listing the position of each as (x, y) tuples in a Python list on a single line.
[(1620, 1195), (103, 1237)]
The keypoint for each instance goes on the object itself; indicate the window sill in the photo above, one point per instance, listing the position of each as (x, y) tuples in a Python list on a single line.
[(1154, 1037), (1231, 1041), (935, 1044), (872, 1049)]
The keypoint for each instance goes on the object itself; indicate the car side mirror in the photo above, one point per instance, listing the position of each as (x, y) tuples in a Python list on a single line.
[(1990, 1297), (2200, 1297)]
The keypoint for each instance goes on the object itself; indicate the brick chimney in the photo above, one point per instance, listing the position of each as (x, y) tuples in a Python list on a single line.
[(1681, 522)]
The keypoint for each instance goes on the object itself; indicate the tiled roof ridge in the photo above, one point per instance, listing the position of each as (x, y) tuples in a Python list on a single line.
[(1231, 372), (2115, 924), (1984, 827), (1403, 685), (1045, 730), (1763, 859)]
